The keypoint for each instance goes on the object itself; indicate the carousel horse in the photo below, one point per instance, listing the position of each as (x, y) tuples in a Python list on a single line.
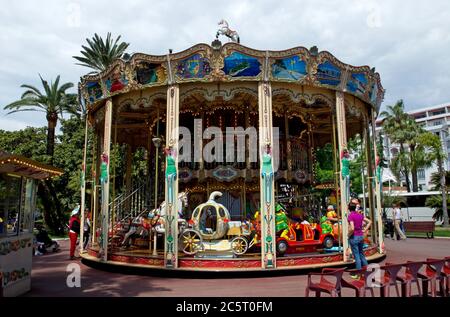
[(158, 214), (225, 30), (139, 225)]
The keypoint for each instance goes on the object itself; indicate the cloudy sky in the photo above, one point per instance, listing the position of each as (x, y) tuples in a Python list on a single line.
[(407, 41)]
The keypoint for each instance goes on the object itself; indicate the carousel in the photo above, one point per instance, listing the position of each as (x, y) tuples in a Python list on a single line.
[(205, 159)]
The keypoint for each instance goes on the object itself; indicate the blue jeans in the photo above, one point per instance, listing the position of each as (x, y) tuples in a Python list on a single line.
[(356, 244)]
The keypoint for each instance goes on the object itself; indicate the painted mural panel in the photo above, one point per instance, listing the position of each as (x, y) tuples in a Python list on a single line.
[(373, 94), (116, 81), (290, 68), (149, 73), (328, 74), (195, 66), (94, 91), (357, 83), (241, 65)]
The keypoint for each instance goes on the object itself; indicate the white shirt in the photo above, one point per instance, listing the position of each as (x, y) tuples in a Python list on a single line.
[(397, 214)]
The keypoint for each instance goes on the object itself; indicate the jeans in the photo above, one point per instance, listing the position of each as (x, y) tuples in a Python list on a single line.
[(356, 244)]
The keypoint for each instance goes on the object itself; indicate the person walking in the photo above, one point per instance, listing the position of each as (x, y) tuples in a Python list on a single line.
[(358, 226), (74, 230), (397, 215)]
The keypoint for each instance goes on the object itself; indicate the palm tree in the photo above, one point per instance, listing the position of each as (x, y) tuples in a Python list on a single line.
[(395, 125), (54, 101), (436, 154), (99, 54)]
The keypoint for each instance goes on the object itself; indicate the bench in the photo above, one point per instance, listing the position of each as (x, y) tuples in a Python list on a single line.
[(420, 226)]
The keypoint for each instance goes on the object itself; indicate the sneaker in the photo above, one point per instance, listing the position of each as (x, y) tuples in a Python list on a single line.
[(354, 276)]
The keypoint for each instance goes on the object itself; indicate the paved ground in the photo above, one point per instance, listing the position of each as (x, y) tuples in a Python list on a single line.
[(49, 277)]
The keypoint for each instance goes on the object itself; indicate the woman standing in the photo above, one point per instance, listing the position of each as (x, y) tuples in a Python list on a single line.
[(359, 225)]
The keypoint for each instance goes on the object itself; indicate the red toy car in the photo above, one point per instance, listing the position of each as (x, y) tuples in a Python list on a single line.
[(303, 238)]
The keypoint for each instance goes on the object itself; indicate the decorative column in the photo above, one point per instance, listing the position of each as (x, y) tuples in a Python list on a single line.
[(83, 186), (104, 180), (171, 178), (378, 185), (344, 179), (370, 177), (268, 234)]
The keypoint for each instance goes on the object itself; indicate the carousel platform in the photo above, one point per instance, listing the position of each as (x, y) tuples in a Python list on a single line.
[(250, 263)]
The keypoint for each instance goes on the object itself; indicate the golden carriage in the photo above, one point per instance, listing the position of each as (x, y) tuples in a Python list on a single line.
[(211, 229)]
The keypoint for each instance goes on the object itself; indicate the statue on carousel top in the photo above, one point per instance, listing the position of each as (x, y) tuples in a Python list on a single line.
[(225, 30)]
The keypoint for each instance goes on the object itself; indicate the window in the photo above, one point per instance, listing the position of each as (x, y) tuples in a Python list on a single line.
[(10, 204), (438, 112), (421, 174), (420, 116), (437, 122)]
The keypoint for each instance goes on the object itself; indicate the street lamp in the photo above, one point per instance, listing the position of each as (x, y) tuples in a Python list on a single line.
[(157, 143)]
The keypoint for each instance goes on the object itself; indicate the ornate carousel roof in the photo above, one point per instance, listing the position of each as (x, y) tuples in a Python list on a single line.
[(233, 62), (22, 166)]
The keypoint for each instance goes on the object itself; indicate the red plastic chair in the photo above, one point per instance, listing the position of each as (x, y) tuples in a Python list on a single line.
[(431, 276), (389, 278), (409, 276), (443, 277), (325, 285), (361, 285)]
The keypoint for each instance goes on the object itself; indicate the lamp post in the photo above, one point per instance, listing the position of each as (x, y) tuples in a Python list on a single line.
[(157, 143)]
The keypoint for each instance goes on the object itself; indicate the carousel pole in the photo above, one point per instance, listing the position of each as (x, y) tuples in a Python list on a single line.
[(336, 180), (97, 186), (83, 184), (171, 175), (104, 177), (343, 182), (157, 144), (377, 188), (370, 180), (266, 179)]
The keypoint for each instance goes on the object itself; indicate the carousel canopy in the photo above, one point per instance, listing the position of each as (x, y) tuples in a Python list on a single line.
[(22, 166), (233, 62)]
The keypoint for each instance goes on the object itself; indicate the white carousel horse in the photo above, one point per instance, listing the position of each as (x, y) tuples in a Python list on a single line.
[(161, 212), (137, 224), (225, 30)]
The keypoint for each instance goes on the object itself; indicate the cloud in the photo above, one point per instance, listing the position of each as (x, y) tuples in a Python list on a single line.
[(408, 44)]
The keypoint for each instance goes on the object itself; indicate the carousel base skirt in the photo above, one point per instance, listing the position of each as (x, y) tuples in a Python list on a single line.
[(241, 264)]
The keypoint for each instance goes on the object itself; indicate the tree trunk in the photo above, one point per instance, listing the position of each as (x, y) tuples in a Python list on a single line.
[(52, 119), (444, 193), (405, 169), (415, 185)]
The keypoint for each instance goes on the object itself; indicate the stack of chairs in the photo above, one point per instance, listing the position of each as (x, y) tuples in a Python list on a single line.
[(430, 278)]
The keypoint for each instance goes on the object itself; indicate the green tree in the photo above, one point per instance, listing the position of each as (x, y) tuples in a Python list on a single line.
[(100, 54), (53, 102), (435, 153), (395, 125)]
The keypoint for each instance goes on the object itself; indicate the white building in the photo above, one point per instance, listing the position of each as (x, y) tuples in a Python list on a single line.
[(434, 119)]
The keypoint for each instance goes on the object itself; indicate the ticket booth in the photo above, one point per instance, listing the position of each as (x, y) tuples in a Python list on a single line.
[(19, 179)]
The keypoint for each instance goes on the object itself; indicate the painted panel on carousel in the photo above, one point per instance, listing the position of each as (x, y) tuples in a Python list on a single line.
[(241, 65), (225, 173), (149, 73), (290, 68), (116, 81), (357, 83), (185, 175), (94, 91), (328, 74), (195, 66), (373, 94)]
